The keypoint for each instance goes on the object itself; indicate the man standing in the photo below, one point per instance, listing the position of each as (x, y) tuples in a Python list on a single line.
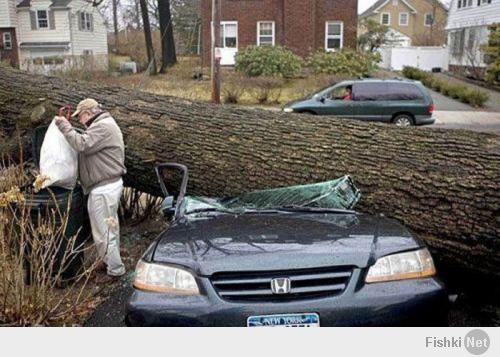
[(101, 167)]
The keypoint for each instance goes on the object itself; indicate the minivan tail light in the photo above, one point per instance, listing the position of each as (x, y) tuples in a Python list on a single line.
[(431, 108)]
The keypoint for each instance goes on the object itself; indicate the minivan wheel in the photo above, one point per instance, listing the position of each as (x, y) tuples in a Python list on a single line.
[(403, 120)]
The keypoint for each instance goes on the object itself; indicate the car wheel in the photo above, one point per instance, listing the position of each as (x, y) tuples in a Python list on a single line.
[(403, 120)]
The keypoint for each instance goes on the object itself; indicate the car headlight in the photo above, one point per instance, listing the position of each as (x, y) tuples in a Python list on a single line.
[(164, 278), (288, 110), (408, 265)]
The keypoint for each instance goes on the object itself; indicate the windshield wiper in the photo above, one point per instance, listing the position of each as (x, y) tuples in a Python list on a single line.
[(207, 210), (315, 210), (235, 211)]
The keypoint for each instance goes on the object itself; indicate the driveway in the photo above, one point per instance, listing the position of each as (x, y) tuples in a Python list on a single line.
[(444, 103), (492, 105), (487, 122), (111, 313), (452, 114)]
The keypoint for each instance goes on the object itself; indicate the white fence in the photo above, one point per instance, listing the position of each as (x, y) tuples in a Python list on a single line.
[(425, 58)]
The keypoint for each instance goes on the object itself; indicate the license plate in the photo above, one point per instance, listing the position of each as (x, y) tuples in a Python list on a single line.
[(286, 320)]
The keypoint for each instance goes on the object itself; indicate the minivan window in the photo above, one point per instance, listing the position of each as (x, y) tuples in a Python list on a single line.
[(403, 91), (338, 93), (368, 91)]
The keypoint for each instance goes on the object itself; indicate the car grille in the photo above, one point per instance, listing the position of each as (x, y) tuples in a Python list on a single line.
[(305, 284)]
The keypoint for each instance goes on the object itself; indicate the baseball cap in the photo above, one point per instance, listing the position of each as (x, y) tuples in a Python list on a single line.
[(86, 104)]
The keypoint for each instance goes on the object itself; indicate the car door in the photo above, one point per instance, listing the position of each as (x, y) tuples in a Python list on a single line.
[(404, 98), (332, 103), (368, 100)]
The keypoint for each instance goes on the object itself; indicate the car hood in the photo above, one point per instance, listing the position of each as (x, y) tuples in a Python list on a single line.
[(301, 102), (263, 242)]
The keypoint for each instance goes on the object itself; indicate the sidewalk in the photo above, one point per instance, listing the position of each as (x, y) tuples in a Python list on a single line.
[(488, 122)]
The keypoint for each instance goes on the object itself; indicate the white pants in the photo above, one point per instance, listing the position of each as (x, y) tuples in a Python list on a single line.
[(103, 212)]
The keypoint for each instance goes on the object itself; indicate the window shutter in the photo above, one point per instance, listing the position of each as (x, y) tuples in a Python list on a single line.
[(92, 22), (33, 20), (52, 20)]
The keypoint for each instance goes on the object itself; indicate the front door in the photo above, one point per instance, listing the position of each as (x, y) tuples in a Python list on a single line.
[(335, 103), (229, 42)]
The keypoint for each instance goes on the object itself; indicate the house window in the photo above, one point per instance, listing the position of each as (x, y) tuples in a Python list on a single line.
[(86, 21), (465, 3), (87, 52), (403, 19), (428, 19), (483, 2), (7, 41), (385, 18), (334, 35), (229, 34), (42, 19), (265, 33)]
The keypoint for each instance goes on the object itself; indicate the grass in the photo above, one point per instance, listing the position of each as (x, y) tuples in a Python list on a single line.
[(179, 82)]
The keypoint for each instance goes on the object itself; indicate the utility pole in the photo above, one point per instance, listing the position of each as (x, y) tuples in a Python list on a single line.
[(216, 44)]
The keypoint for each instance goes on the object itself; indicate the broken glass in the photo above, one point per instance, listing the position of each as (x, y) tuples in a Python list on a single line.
[(336, 194)]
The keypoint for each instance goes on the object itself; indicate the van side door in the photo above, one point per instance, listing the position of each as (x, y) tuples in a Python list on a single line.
[(368, 103)]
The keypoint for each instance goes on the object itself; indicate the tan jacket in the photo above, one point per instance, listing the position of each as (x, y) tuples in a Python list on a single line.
[(101, 151)]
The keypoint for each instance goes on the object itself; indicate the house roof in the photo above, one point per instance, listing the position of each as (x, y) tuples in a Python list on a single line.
[(55, 3), (375, 7)]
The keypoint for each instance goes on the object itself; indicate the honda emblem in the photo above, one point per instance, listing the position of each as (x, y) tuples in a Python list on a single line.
[(281, 286)]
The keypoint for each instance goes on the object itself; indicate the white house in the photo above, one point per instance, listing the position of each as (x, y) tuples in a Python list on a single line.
[(467, 29), (58, 34)]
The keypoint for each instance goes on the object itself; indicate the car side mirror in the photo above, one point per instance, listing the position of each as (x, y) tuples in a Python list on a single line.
[(168, 207), (322, 100)]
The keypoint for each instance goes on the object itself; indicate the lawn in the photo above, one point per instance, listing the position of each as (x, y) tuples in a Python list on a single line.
[(179, 82)]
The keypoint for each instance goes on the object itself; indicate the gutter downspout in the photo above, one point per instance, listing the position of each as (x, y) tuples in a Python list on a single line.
[(71, 36)]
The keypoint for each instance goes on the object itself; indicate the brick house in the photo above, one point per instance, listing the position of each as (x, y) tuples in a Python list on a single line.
[(303, 26), (9, 51)]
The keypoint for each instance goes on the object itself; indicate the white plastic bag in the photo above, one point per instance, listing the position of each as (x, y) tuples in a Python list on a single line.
[(58, 160)]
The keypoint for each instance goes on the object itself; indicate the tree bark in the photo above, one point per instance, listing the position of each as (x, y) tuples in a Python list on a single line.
[(149, 41), (168, 57), (443, 184)]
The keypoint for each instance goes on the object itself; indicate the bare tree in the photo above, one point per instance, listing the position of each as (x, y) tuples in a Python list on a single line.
[(149, 41), (168, 56), (137, 14), (115, 23), (435, 35), (472, 53)]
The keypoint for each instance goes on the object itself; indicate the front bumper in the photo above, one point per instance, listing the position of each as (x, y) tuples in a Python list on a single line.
[(417, 302)]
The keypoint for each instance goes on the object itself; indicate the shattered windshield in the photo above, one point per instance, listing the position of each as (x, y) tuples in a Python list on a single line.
[(336, 194)]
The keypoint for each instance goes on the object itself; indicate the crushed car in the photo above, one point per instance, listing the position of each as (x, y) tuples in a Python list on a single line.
[(292, 256)]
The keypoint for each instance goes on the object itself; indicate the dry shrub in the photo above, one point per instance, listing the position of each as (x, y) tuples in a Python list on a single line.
[(234, 88), (12, 176), (137, 206), (266, 90), (35, 256)]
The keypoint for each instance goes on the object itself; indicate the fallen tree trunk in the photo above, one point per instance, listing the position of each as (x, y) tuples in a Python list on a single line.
[(444, 184)]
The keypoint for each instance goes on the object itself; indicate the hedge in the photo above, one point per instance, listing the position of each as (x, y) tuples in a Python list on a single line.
[(474, 97)]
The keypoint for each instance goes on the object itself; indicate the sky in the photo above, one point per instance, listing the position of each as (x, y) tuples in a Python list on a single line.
[(365, 4)]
